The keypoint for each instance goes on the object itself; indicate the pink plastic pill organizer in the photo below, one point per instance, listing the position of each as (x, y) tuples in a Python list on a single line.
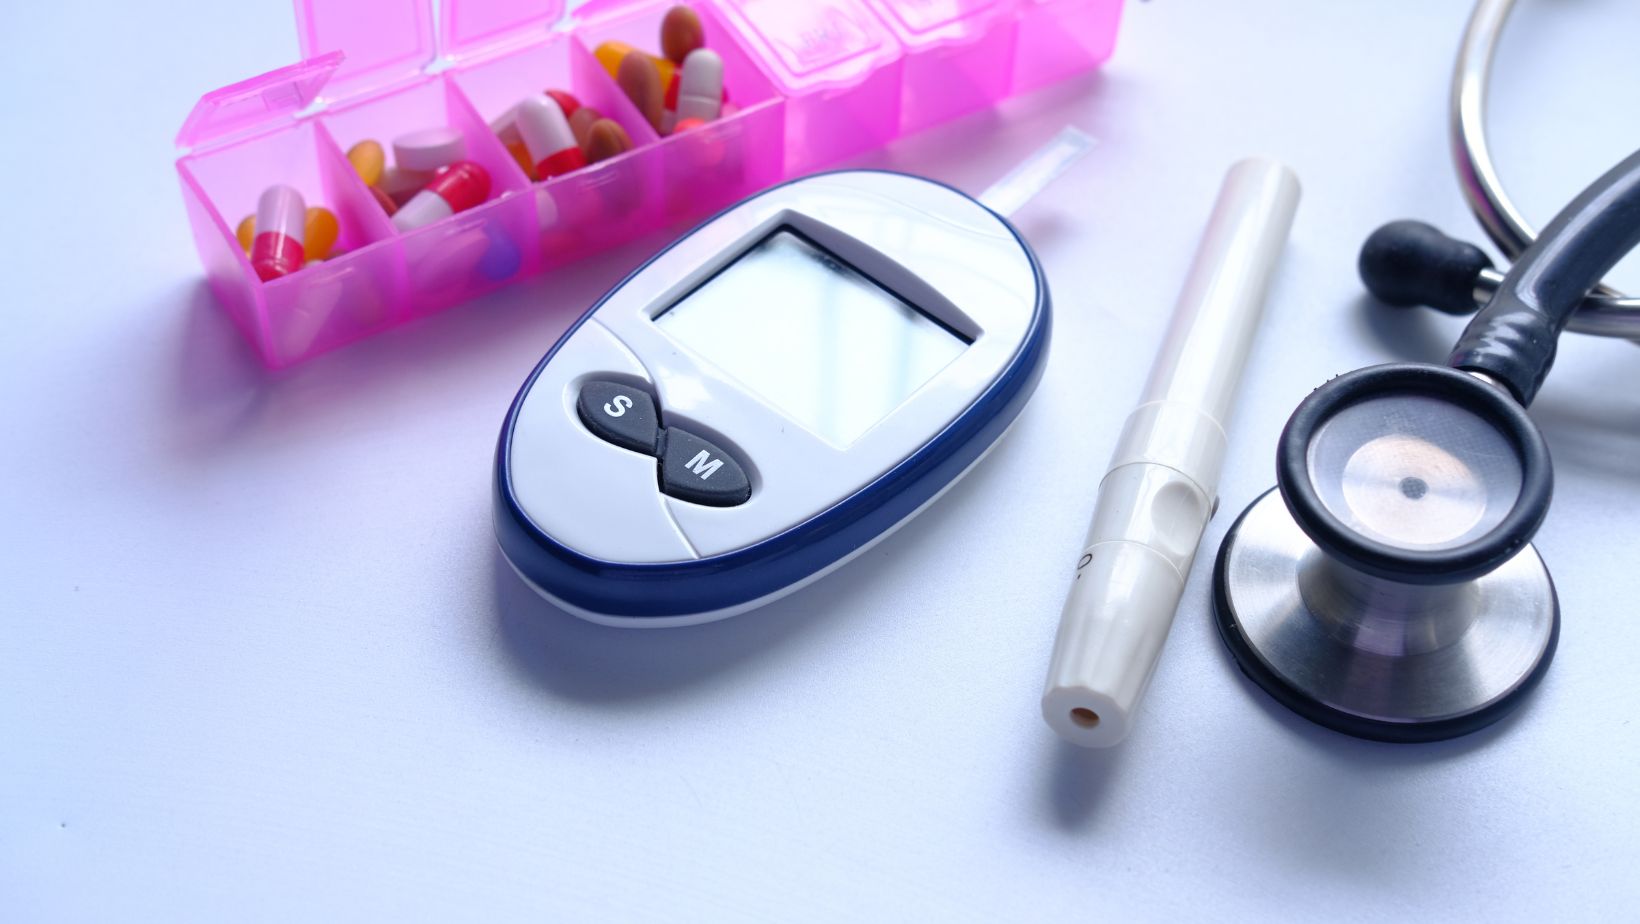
[(810, 82)]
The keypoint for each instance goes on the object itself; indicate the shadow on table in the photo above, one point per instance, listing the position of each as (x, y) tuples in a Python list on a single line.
[(1081, 782), (1409, 335), (1596, 434), (582, 661), (1347, 807)]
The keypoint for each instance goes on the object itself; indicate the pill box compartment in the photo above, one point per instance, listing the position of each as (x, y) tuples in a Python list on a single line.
[(959, 55), (324, 304), (598, 205), (473, 251), (1058, 38), (717, 164), (837, 66)]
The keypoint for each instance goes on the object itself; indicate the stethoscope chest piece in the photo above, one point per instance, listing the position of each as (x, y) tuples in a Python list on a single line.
[(1388, 588)]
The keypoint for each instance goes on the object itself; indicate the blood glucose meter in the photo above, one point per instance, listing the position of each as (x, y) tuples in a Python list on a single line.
[(767, 398)]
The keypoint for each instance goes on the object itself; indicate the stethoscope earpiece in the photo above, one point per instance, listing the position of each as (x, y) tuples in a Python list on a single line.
[(1388, 588), (1406, 263)]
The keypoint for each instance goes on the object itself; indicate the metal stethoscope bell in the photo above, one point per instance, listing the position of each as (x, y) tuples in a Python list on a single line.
[(1388, 588)]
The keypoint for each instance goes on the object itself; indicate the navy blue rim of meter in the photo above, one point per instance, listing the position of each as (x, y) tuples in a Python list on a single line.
[(703, 585)]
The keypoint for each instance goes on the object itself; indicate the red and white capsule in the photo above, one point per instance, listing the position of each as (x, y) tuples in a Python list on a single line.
[(566, 101), (456, 188), (281, 222), (548, 138), (505, 125), (669, 105), (700, 86)]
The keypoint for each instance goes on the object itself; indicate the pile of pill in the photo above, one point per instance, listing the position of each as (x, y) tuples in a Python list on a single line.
[(554, 133), (549, 135), (680, 89), (429, 179)]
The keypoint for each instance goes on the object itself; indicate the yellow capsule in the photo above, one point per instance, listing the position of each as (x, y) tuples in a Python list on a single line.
[(666, 68), (320, 234), (522, 155), (611, 53), (368, 159)]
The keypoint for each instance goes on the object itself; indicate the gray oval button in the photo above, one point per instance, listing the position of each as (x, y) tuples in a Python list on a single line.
[(697, 471), (621, 414)]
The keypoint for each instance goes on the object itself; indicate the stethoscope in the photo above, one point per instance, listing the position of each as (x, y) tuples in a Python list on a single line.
[(1387, 586)]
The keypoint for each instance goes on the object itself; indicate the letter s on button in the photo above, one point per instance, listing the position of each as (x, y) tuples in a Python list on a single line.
[(620, 414)]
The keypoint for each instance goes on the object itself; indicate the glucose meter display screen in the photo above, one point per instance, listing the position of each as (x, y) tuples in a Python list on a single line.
[(812, 335)]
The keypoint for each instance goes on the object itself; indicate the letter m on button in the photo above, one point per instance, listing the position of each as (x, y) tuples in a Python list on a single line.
[(704, 465)]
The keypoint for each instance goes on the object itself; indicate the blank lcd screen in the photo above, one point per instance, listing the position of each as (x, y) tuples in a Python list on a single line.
[(812, 335)]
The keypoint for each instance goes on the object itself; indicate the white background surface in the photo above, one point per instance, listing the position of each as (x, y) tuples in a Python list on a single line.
[(259, 659)]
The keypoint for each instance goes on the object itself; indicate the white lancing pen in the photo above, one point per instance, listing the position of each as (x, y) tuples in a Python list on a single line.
[(1162, 484)]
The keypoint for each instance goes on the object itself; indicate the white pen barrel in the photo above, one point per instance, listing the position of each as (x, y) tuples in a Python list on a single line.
[(1217, 314), (1160, 490)]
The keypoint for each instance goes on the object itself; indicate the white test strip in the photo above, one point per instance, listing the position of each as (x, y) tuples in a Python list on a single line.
[(1033, 174)]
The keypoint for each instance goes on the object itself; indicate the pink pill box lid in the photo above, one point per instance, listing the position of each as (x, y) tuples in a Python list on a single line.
[(934, 22), (814, 45), (249, 104), (355, 48), (468, 28)]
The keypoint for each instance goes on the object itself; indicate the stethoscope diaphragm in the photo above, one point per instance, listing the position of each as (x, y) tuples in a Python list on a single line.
[(1389, 589), (1414, 471)]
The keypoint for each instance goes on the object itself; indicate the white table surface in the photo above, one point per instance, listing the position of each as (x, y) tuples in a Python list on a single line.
[(259, 659)]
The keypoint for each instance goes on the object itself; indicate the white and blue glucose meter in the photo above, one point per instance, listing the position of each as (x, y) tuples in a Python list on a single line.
[(767, 398)]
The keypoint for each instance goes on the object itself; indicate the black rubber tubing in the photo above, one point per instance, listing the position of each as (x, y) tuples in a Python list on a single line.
[(1513, 338)]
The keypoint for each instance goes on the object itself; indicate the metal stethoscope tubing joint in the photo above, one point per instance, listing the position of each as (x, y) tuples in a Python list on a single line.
[(1387, 588), (1410, 263)]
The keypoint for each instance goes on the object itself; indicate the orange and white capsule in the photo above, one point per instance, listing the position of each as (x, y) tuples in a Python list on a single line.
[(700, 86), (456, 188), (548, 138), (281, 222)]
